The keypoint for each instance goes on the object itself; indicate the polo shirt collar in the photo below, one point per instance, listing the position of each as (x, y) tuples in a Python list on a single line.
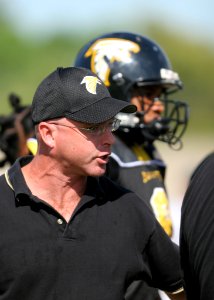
[(17, 182), (15, 176)]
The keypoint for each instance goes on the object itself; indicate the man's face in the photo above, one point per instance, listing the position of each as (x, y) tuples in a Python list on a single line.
[(82, 149), (147, 99)]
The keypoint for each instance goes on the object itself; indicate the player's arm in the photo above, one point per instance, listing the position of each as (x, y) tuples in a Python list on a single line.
[(165, 264)]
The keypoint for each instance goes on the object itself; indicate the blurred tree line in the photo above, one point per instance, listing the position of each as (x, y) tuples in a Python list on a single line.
[(24, 63)]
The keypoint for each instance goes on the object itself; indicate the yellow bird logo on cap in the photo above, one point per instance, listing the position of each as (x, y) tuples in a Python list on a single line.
[(91, 83)]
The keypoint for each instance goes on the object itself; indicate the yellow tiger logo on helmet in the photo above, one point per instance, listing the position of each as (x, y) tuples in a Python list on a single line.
[(110, 49)]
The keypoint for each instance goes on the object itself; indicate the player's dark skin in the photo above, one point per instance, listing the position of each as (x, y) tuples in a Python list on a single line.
[(147, 99)]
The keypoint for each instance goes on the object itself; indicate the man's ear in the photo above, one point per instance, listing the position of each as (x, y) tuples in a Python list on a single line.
[(46, 132)]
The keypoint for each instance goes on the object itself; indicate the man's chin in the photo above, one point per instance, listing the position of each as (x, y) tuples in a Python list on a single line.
[(98, 172)]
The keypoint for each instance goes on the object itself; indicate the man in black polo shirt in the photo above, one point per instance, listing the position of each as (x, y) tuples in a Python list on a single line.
[(67, 232), (197, 230)]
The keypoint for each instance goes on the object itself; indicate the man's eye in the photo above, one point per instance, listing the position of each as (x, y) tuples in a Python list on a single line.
[(92, 128)]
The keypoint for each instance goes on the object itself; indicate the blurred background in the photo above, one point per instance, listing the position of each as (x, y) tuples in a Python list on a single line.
[(37, 36)]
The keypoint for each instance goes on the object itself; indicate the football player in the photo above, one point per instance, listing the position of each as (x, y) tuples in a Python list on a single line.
[(137, 70)]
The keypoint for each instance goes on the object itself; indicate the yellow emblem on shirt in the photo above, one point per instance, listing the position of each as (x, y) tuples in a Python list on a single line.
[(149, 175), (160, 206)]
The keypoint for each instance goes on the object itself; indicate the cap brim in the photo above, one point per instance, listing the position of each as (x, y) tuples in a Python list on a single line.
[(101, 111)]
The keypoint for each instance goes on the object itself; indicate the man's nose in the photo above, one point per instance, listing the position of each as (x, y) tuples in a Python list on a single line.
[(157, 103), (108, 137)]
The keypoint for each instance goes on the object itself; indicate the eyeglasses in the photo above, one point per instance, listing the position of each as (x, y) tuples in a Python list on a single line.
[(96, 130)]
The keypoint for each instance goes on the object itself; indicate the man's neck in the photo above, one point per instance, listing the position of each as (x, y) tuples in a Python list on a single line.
[(60, 191)]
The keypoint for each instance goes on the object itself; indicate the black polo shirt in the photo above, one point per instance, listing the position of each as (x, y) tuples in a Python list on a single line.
[(111, 239), (197, 233)]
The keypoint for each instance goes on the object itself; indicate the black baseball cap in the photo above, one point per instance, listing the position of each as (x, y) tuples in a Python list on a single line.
[(77, 94)]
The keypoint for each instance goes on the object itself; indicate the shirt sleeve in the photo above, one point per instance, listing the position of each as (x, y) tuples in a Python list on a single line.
[(163, 262)]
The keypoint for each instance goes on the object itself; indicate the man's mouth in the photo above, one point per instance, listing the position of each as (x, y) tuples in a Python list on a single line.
[(104, 158)]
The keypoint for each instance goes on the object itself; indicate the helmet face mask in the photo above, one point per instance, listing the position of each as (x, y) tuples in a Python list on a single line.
[(123, 60), (169, 128), (175, 116)]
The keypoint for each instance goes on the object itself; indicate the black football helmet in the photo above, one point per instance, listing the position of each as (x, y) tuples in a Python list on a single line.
[(124, 60)]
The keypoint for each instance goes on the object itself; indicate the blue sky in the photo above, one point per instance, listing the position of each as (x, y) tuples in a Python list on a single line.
[(193, 18)]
